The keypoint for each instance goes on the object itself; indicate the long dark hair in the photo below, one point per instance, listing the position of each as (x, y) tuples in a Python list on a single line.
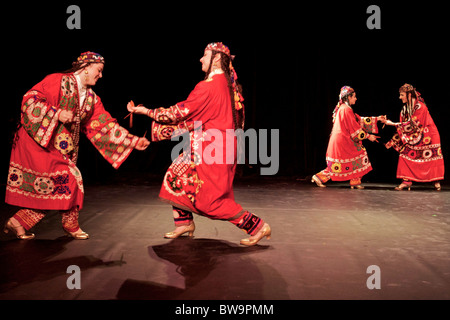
[(238, 115), (347, 96), (410, 107)]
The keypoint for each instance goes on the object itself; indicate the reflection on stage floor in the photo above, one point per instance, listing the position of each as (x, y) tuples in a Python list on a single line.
[(323, 242)]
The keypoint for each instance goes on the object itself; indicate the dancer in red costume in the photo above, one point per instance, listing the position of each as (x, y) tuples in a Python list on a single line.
[(418, 142), (43, 174), (346, 156), (200, 180)]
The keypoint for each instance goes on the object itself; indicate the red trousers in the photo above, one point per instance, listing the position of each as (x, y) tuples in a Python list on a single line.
[(247, 221), (28, 218), (324, 176)]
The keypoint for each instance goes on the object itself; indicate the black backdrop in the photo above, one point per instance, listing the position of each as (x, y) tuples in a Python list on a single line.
[(291, 59)]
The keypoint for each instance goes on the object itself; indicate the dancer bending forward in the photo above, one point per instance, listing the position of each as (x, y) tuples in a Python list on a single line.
[(43, 175), (346, 156)]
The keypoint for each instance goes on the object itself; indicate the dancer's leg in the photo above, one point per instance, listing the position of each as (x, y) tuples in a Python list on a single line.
[(248, 222), (405, 184), (69, 219), (28, 218), (252, 225), (356, 183), (182, 217), (321, 178), (184, 223), (23, 220)]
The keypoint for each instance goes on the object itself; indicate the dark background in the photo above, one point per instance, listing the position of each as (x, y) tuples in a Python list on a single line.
[(291, 58)]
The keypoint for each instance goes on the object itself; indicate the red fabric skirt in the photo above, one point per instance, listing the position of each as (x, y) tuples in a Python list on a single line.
[(204, 189), (42, 178)]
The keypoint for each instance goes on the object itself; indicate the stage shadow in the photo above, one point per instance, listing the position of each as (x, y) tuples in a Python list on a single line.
[(26, 261), (212, 269)]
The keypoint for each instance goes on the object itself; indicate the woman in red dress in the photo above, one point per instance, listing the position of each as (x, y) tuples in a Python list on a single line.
[(418, 142), (200, 180), (43, 174), (346, 156)]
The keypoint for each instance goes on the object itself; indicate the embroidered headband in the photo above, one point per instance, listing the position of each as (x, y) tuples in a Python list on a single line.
[(409, 88), (406, 88), (89, 57), (345, 91), (219, 46)]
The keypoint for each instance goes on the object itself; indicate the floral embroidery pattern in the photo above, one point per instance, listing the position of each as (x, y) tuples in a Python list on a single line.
[(181, 178), (64, 143), (423, 153), (345, 167), (39, 185)]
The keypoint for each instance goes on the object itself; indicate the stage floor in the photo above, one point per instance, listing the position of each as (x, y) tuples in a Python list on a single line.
[(323, 242)]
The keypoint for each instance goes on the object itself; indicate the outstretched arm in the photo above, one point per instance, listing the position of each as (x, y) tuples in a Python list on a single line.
[(139, 109), (114, 142), (390, 123)]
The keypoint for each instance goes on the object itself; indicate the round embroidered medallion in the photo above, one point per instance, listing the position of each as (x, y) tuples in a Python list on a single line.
[(64, 143), (44, 185)]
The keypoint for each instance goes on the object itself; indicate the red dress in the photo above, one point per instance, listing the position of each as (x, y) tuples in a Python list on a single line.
[(200, 179), (419, 146), (346, 156), (42, 172)]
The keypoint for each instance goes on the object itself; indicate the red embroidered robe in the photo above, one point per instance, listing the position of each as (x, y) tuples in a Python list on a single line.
[(42, 172), (201, 178), (419, 146), (346, 156)]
